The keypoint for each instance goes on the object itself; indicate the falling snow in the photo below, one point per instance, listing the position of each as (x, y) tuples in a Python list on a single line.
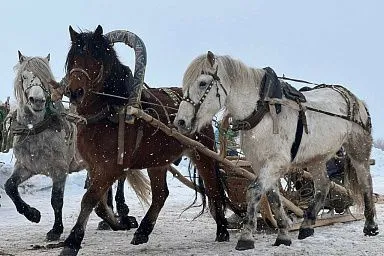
[(175, 233)]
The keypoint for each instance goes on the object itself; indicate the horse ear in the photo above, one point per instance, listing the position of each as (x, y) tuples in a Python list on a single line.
[(21, 56), (48, 58), (211, 58), (99, 31), (73, 34)]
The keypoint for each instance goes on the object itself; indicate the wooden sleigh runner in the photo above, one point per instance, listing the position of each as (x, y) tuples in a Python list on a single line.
[(296, 188)]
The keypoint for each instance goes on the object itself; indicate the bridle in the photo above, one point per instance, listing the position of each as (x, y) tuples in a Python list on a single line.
[(46, 91), (94, 81), (215, 81)]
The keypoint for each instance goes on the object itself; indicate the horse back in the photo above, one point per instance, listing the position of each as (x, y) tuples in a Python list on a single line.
[(162, 103)]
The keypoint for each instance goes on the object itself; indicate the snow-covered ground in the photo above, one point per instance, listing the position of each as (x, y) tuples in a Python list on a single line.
[(175, 233)]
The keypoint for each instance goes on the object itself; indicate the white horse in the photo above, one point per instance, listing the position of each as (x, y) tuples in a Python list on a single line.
[(43, 141), (273, 138)]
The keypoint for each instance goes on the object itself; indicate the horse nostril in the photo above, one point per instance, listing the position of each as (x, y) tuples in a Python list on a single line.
[(79, 92), (76, 94), (181, 123)]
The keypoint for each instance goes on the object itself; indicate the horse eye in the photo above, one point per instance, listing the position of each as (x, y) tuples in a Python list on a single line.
[(202, 84)]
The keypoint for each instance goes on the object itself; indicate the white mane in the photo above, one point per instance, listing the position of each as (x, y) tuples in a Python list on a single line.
[(235, 70)]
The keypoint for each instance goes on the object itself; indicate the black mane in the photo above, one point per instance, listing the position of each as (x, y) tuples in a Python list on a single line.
[(118, 77)]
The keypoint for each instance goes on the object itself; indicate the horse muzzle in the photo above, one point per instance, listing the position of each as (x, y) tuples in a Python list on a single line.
[(182, 126), (37, 104), (76, 96)]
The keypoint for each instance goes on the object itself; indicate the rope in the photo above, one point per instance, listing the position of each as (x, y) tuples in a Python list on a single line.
[(296, 80)]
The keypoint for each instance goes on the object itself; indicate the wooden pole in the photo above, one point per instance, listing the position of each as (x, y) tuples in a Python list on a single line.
[(203, 149), (183, 180)]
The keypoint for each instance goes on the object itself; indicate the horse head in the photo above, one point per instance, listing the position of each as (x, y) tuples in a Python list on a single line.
[(204, 94), (93, 66), (34, 91), (30, 84), (84, 64)]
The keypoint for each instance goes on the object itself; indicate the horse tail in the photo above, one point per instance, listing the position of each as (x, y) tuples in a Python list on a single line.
[(140, 184)]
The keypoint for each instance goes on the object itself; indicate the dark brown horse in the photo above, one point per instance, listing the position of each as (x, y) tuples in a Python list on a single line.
[(93, 68)]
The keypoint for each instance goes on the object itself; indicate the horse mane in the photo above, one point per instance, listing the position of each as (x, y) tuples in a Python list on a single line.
[(39, 66), (235, 71), (118, 77)]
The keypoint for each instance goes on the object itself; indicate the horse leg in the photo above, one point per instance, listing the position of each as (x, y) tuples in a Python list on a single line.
[(110, 197), (57, 205), (106, 213), (267, 179), (122, 208), (103, 225), (97, 189), (215, 192), (280, 216), (253, 195), (358, 176), (160, 192), (19, 175), (321, 186), (365, 181)]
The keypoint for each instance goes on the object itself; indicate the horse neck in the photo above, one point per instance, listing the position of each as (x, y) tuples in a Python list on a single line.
[(25, 116), (91, 105), (244, 93), (119, 82)]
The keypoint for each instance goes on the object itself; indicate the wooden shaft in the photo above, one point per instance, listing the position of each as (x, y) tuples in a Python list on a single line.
[(183, 180), (203, 149)]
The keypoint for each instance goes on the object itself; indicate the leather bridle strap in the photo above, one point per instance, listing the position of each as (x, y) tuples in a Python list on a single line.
[(216, 80), (97, 79)]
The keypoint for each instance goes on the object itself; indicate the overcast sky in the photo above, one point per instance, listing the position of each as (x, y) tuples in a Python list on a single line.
[(324, 41)]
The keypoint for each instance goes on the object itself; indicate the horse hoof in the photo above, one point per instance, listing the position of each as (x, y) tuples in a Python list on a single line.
[(129, 222), (245, 245), (67, 251), (222, 237), (371, 230), (53, 236), (103, 225), (305, 232), (286, 242), (139, 239), (33, 215)]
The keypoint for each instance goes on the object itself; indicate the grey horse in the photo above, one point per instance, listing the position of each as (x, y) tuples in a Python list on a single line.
[(43, 140)]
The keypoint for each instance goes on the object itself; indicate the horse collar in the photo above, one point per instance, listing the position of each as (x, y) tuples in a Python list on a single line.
[(50, 121)]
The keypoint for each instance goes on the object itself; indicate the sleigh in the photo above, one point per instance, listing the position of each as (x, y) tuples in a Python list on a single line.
[(296, 188)]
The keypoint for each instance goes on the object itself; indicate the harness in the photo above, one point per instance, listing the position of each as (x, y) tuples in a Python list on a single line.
[(270, 101), (50, 121), (117, 114)]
